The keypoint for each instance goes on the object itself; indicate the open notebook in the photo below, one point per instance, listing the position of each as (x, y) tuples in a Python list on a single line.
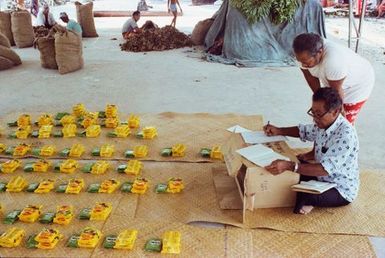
[(260, 155), (313, 186)]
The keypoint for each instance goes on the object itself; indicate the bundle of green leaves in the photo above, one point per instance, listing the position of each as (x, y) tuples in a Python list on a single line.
[(279, 11)]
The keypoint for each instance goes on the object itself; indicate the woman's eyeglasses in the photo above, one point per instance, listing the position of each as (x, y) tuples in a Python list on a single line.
[(310, 113)]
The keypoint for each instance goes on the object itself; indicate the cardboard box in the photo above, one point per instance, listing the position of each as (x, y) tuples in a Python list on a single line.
[(257, 187)]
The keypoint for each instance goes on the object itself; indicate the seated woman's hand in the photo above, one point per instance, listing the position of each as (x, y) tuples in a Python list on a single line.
[(271, 130), (306, 157), (278, 166)]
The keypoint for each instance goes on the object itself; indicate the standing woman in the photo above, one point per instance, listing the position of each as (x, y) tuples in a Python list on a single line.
[(327, 64), (171, 4)]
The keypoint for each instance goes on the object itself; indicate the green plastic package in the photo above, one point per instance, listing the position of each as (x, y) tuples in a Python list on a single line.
[(109, 241), (121, 168), (161, 188), (85, 214), (153, 245), (32, 187), (205, 152), (129, 154), (65, 152), (73, 241), (28, 167), (87, 167), (31, 242), (47, 218), (166, 152), (126, 187), (61, 188), (95, 152), (93, 188), (12, 217), (3, 187)]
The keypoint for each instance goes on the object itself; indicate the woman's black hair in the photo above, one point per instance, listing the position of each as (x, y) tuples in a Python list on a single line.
[(310, 42), (332, 100)]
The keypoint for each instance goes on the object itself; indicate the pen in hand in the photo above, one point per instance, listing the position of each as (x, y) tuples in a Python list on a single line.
[(267, 130)]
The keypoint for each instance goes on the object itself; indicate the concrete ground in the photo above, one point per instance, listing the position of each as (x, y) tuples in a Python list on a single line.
[(180, 81)]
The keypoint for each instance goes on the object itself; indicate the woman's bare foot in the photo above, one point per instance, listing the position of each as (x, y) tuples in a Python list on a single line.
[(306, 209)]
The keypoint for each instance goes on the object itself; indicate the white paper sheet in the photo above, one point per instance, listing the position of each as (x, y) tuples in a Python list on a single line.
[(260, 155), (261, 137), (313, 186), (238, 129)]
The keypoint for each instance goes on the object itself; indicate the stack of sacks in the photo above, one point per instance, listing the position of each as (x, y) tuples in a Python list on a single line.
[(199, 33), (8, 58), (46, 46), (61, 49), (22, 30), (85, 16), (68, 51), (5, 26), (17, 27)]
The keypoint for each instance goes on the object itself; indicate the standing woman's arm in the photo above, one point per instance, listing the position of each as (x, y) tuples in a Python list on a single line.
[(177, 1)]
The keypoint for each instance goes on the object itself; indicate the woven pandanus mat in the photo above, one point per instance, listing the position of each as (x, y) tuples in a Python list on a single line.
[(270, 243)]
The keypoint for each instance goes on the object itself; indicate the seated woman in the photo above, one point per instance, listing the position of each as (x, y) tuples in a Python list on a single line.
[(143, 6), (335, 153), (45, 18)]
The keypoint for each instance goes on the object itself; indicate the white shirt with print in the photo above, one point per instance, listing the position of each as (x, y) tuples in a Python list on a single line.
[(336, 149)]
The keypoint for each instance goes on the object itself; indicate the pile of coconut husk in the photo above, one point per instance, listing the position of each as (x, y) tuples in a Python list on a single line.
[(40, 31), (148, 25), (156, 39)]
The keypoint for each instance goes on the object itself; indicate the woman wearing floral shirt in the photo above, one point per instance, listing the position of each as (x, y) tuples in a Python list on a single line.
[(335, 153)]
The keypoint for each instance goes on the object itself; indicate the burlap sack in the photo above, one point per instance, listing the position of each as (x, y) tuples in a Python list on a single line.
[(5, 26), (4, 41), (5, 63), (199, 33), (22, 29), (10, 54), (68, 51), (46, 46), (85, 18)]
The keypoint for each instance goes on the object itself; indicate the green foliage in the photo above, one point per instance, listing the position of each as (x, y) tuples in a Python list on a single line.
[(253, 10), (283, 10), (280, 11)]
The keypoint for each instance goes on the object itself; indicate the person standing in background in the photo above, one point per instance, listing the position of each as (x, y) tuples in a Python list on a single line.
[(327, 64), (171, 4), (35, 7)]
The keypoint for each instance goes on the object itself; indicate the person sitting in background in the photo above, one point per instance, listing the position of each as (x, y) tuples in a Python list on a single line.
[(142, 6), (71, 24), (45, 18), (381, 9), (335, 157), (131, 26)]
